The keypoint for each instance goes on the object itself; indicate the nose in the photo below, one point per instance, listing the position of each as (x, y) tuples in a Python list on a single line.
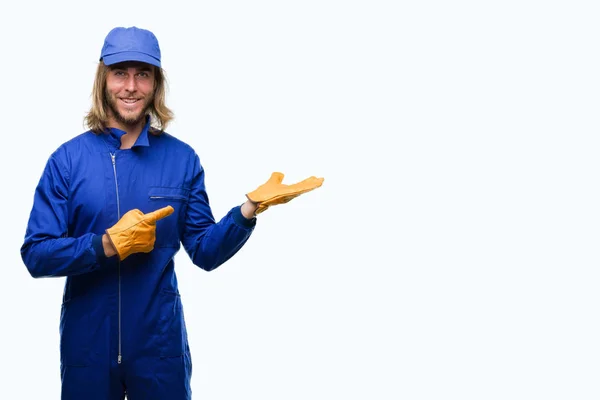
[(130, 84)]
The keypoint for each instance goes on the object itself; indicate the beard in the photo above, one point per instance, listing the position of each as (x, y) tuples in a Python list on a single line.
[(127, 120)]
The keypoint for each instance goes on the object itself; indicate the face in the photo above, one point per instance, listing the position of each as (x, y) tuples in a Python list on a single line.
[(130, 92)]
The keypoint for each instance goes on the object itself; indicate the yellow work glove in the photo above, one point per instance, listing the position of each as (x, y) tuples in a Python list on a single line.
[(274, 192), (135, 232)]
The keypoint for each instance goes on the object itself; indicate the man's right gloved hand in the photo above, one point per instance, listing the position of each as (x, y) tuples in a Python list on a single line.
[(135, 232)]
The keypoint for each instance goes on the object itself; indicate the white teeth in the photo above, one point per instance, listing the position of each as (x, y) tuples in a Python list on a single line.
[(129, 101)]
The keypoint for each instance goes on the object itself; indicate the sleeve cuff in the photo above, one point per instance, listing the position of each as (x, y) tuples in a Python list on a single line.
[(98, 247), (241, 220)]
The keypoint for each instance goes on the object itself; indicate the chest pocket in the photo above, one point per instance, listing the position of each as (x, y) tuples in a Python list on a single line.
[(169, 229)]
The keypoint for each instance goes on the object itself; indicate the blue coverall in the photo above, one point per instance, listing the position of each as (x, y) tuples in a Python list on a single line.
[(122, 326)]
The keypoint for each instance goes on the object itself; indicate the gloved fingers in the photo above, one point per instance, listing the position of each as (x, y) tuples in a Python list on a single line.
[(280, 199), (276, 178), (268, 192), (260, 209), (129, 219), (300, 188), (286, 197), (273, 191), (304, 186), (131, 213), (159, 214), (275, 201), (263, 191), (308, 183), (272, 200)]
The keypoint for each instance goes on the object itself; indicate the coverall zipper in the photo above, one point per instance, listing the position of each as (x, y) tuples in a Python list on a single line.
[(112, 156)]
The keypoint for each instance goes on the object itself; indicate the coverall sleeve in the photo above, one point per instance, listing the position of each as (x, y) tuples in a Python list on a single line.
[(47, 250), (208, 243)]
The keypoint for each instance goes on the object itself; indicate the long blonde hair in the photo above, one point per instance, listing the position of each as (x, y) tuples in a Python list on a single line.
[(97, 118)]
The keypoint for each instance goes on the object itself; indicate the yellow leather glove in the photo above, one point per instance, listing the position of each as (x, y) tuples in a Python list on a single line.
[(135, 232), (274, 192)]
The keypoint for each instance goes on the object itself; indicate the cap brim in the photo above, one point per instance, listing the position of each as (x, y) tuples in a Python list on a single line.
[(130, 56)]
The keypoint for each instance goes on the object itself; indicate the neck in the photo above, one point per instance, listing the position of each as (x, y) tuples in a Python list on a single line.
[(132, 131)]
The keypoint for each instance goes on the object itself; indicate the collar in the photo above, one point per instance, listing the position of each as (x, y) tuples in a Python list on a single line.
[(142, 140)]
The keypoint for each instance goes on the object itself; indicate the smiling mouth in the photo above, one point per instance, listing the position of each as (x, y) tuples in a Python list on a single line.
[(129, 101)]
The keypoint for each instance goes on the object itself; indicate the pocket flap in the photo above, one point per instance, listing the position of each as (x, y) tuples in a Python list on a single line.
[(168, 193)]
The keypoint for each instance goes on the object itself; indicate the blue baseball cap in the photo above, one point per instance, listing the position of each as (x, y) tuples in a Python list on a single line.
[(130, 44)]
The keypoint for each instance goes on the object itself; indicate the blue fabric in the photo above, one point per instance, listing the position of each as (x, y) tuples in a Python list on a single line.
[(130, 44), (134, 305)]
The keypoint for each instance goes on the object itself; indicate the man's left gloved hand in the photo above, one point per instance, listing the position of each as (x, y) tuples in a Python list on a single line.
[(274, 192)]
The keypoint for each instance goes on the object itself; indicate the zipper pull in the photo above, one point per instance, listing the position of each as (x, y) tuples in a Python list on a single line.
[(112, 157), (119, 359)]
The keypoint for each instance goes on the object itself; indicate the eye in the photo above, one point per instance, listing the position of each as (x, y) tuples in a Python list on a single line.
[(119, 73)]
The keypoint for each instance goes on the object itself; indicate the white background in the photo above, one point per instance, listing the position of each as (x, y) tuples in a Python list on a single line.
[(452, 251)]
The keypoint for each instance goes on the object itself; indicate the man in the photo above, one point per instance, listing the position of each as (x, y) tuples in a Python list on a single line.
[(110, 211)]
